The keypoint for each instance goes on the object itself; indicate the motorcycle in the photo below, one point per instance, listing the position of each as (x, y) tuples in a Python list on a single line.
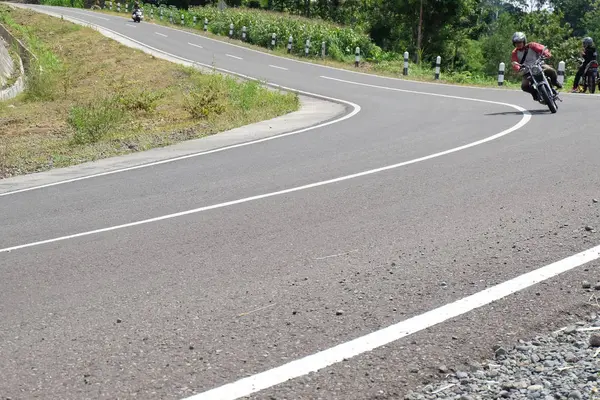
[(538, 80), (138, 15), (590, 78)]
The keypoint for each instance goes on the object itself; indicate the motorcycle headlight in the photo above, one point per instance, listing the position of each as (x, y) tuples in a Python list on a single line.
[(536, 70)]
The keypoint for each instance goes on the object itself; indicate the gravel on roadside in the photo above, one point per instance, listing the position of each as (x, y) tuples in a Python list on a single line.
[(562, 365)]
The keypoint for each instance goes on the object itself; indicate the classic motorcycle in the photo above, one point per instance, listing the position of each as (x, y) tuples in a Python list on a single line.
[(538, 80)]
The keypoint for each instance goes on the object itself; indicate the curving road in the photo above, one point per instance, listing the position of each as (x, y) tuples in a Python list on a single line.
[(174, 279)]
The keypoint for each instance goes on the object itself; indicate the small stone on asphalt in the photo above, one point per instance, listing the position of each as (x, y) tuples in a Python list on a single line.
[(339, 312), (586, 285)]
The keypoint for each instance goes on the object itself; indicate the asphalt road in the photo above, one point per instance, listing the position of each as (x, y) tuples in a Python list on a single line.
[(182, 305)]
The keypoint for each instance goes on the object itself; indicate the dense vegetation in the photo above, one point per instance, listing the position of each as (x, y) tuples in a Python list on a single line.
[(471, 36)]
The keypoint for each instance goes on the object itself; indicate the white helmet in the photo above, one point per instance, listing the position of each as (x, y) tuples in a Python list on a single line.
[(519, 37)]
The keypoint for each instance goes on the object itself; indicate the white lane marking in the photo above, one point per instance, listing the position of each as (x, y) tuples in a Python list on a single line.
[(133, 26), (195, 45), (275, 66), (89, 15), (344, 351), (229, 55), (355, 110), (522, 122), (410, 91), (161, 34)]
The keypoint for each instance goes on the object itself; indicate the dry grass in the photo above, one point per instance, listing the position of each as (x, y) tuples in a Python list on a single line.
[(97, 98)]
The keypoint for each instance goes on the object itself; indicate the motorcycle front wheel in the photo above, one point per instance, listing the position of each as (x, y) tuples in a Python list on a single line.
[(548, 98)]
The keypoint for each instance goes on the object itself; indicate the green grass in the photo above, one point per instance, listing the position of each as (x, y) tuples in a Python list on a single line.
[(101, 99)]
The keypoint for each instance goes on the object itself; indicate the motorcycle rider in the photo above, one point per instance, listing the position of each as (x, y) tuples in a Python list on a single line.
[(527, 53), (589, 53)]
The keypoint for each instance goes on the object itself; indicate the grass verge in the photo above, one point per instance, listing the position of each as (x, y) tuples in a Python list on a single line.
[(89, 97)]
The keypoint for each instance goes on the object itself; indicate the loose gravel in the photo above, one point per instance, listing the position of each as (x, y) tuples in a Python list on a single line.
[(562, 365)]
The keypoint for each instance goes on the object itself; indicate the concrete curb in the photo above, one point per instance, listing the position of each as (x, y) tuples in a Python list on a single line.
[(313, 111)]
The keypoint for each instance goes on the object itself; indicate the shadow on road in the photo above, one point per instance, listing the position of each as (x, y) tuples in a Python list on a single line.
[(532, 112)]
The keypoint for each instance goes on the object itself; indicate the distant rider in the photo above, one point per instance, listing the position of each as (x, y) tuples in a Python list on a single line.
[(527, 53), (589, 53)]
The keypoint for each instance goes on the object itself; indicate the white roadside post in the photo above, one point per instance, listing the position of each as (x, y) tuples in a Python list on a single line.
[(323, 50), (501, 74), (357, 57), (243, 33), (273, 39), (438, 62), (205, 24), (561, 72), (307, 47), (231, 31), (405, 69)]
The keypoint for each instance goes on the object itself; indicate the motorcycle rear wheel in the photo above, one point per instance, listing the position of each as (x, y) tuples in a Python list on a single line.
[(591, 83)]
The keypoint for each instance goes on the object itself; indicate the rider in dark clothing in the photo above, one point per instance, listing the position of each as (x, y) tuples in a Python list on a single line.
[(589, 53)]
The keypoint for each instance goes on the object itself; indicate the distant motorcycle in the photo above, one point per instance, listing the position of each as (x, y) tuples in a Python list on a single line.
[(590, 78), (538, 80), (138, 15)]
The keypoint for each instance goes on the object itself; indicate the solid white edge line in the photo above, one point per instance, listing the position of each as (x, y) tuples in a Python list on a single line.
[(275, 66), (347, 350), (229, 55), (524, 120), (355, 110), (195, 45), (158, 33)]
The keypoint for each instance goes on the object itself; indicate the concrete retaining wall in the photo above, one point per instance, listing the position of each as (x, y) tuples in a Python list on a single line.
[(7, 64)]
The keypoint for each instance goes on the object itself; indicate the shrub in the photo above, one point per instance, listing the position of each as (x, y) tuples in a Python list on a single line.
[(207, 97), (95, 120)]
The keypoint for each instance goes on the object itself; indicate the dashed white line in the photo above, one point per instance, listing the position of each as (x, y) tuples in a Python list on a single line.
[(131, 25), (195, 45), (161, 34), (275, 66), (344, 351), (229, 55)]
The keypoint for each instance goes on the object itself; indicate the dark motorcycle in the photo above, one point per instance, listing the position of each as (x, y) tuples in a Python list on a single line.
[(590, 78), (538, 80)]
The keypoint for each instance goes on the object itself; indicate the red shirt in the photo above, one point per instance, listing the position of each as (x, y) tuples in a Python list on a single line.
[(517, 54)]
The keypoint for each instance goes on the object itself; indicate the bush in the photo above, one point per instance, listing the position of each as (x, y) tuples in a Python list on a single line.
[(93, 121), (141, 100), (207, 97)]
